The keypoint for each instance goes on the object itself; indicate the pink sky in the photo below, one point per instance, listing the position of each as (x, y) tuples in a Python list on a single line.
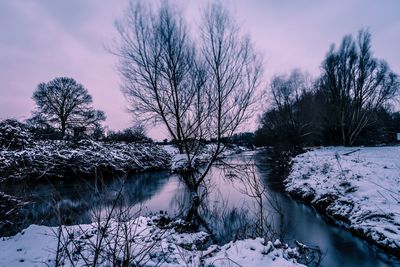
[(43, 39)]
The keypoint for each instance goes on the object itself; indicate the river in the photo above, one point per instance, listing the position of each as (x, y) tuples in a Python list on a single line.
[(228, 208)]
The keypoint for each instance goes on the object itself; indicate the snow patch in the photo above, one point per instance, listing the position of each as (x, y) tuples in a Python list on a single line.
[(151, 244), (358, 187)]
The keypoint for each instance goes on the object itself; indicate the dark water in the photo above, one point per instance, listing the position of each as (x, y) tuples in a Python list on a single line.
[(227, 208)]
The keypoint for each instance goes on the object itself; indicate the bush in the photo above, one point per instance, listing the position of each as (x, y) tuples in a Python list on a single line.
[(14, 135), (129, 135)]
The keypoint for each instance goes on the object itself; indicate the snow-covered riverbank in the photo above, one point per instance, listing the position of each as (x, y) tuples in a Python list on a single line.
[(52, 159), (156, 241), (358, 188), (63, 159)]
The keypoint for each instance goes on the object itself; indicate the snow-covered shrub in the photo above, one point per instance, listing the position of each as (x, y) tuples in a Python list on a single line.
[(14, 134), (9, 212), (59, 159)]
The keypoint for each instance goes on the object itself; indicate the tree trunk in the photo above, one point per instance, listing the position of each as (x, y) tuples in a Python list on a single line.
[(63, 128)]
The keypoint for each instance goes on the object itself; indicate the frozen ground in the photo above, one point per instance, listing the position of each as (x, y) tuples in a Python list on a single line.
[(360, 190), (155, 241)]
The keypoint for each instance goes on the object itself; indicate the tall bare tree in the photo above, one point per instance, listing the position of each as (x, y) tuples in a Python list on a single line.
[(356, 85), (198, 92), (233, 71), (65, 104), (157, 66)]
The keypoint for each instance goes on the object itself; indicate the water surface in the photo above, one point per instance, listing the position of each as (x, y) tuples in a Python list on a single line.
[(228, 208)]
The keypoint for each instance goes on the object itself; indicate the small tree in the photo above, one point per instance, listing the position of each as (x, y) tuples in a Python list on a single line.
[(355, 85), (66, 104)]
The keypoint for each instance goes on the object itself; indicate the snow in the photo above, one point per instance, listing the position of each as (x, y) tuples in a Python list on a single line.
[(57, 159), (150, 242), (252, 252), (170, 149), (360, 190), (14, 135), (180, 161)]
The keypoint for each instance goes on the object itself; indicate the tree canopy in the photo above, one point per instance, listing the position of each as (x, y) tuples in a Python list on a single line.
[(66, 104)]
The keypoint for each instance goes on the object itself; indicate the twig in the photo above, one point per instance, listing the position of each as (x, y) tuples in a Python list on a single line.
[(351, 152)]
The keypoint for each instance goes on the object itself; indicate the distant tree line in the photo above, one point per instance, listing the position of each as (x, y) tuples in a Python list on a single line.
[(350, 103), (18, 135), (205, 95)]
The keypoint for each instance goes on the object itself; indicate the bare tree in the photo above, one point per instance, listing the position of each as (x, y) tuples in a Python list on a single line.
[(198, 92), (288, 89), (291, 118), (157, 66), (66, 104), (233, 73), (356, 85), (287, 92)]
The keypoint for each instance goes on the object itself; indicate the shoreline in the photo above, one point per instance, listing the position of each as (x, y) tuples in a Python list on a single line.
[(55, 160), (152, 241), (340, 193)]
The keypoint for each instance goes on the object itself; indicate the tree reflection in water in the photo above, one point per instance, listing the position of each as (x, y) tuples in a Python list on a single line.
[(74, 201), (225, 210), (253, 214)]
